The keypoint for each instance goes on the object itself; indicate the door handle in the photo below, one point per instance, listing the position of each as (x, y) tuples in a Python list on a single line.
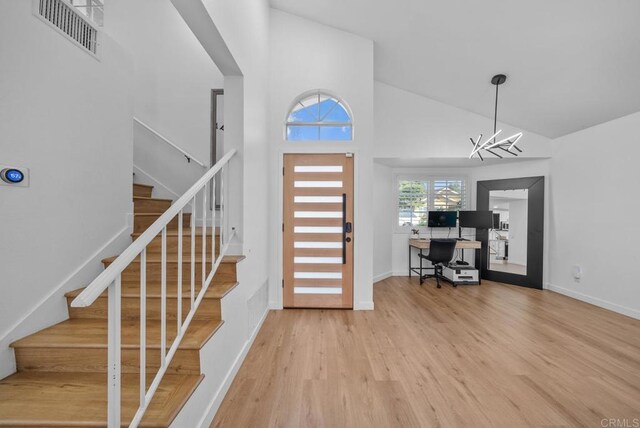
[(344, 228)]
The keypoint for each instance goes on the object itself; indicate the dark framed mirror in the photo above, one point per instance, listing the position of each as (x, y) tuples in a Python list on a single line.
[(512, 252)]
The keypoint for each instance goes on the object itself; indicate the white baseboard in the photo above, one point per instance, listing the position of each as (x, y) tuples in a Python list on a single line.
[(151, 180), (51, 309), (275, 306), (382, 276), (98, 255), (215, 403), (401, 273), (363, 306), (633, 313)]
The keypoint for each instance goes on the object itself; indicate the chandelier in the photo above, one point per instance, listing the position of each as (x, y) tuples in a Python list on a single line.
[(491, 145)]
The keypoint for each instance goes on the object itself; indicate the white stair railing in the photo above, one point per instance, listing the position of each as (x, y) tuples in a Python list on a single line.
[(111, 278)]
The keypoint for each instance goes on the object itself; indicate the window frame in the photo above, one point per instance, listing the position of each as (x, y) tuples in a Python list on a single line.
[(297, 100), (431, 178), (88, 10)]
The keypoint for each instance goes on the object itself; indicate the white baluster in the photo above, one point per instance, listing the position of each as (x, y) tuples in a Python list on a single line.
[(76, 30), (223, 208), (193, 250), (143, 326), (113, 345), (163, 299), (111, 281), (213, 223), (204, 235), (179, 271)]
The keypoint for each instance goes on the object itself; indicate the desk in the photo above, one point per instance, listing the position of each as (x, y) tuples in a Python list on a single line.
[(423, 244)]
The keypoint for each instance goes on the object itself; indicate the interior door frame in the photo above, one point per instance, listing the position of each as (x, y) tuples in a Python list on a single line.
[(214, 124), (535, 230), (213, 157)]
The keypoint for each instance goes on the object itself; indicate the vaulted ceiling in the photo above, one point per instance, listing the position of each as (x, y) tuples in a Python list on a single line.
[(570, 64)]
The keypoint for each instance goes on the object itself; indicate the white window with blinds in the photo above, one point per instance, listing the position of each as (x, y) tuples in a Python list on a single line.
[(417, 195)]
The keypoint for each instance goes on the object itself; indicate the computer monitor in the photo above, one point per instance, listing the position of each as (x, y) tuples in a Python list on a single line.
[(442, 219), (496, 220), (476, 219)]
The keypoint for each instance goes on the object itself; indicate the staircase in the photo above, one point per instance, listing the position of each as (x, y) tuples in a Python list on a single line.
[(61, 377)]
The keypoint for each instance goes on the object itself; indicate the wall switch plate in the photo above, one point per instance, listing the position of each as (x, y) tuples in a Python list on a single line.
[(14, 176), (577, 272)]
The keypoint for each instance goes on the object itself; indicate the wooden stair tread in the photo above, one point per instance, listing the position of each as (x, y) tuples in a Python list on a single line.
[(142, 190), (143, 185), (173, 259), (233, 259), (80, 399), (146, 198), (186, 232), (92, 333), (215, 291), (157, 214), (221, 290)]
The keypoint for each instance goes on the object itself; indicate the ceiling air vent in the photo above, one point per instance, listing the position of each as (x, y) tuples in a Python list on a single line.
[(69, 21)]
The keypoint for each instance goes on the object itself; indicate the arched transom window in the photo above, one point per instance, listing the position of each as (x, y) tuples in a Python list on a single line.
[(317, 116)]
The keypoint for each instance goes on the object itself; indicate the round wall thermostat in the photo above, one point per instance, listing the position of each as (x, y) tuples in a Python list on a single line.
[(12, 175)]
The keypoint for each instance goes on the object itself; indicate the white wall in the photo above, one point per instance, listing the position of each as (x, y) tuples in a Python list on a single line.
[(306, 56), (594, 191), (239, 28), (173, 78), (244, 26), (67, 117), (382, 222), (412, 126)]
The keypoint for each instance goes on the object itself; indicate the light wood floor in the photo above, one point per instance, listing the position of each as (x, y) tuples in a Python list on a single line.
[(508, 267), (493, 355)]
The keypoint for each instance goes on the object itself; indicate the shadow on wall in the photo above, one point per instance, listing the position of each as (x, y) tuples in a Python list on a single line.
[(166, 167)]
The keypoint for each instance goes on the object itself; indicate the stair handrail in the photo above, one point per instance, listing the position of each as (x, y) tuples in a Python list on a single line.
[(169, 142), (111, 280), (102, 281)]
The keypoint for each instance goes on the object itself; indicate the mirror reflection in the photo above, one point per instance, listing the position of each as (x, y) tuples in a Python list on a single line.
[(508, 238)]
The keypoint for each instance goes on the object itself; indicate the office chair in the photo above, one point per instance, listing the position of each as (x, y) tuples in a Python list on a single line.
[(441, 252)]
